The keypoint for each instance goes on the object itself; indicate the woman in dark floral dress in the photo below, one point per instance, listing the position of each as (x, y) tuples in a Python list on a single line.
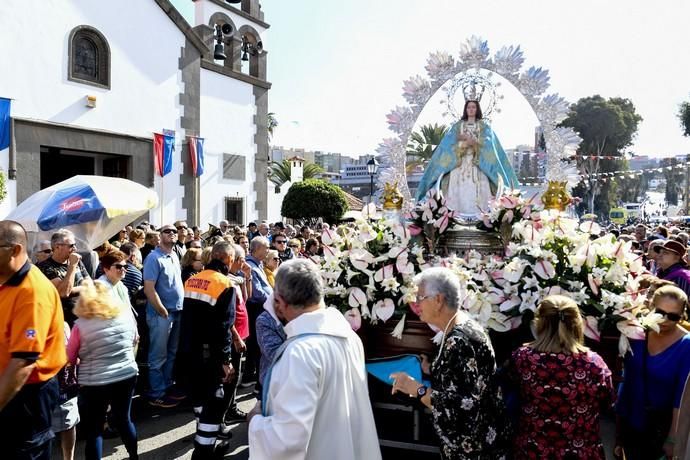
[(464, 397), (563, 388)]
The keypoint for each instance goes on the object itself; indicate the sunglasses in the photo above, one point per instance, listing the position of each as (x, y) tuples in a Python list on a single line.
[(71, 245), (170, 230), (675, 317), (46, 251), (281, 241), (182, 228), (276, 258), (294, 246), (120, 266)]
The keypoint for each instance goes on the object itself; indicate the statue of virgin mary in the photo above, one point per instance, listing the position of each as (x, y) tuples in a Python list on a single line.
[(469, 165)]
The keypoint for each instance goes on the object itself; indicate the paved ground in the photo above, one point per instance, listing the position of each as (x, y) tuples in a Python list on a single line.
[(167, 434)]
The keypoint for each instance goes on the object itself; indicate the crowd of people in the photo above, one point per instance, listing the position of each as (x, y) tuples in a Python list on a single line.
[(180, 314)]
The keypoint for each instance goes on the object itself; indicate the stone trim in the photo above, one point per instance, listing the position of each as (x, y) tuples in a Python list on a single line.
[(183, 25), (239, 12), (212, 66), (190, 122), (261, 158), (30, 135)]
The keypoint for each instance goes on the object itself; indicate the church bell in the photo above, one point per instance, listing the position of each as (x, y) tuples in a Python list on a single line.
[(219, 52)]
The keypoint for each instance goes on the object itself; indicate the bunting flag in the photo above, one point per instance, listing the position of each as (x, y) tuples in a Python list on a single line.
[(163, 148), (196, 154), (5, 106)]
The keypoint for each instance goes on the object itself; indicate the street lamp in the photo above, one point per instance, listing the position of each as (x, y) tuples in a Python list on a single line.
[(372, 169)]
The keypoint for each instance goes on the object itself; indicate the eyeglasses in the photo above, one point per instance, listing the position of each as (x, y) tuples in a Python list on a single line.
[(276, 258), (119, 266), (422, 298), (675, 317), (170, 230)]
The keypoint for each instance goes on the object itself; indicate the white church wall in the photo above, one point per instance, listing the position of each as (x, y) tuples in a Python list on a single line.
[(227, 123), (145, 81)]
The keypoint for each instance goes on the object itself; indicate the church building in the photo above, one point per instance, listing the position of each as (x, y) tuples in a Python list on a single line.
[(91, 81)]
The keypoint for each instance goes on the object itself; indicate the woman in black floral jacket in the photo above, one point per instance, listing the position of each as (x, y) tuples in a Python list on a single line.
[(464, 397)]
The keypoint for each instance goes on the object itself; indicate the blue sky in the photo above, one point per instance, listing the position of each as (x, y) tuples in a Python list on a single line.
[(337, 67)]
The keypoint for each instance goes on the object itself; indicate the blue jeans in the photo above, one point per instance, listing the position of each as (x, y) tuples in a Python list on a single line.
[(164, 335), (94, 401)]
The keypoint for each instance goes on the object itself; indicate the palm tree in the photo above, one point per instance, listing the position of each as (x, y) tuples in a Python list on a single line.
[(271, 124), (423, 143), (280, 172)]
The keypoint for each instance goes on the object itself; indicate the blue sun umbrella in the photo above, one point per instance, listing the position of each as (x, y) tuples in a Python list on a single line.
[(70, 206), (93, 207)]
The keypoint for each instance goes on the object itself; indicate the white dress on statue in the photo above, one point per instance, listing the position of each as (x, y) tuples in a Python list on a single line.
[(469, 189)]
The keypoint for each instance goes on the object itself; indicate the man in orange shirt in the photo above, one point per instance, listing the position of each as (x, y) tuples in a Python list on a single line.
[(32, 349)]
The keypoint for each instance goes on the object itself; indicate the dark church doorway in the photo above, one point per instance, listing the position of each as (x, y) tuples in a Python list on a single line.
[(59, 164)]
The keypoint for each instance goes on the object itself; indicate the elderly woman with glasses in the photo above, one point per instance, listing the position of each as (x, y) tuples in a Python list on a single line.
[(654, 375), (464, 396), (271, 263)]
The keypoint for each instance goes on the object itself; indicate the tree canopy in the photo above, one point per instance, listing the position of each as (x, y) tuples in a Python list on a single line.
[(684, 117), (279, 173), (313, 199), (607, 127)]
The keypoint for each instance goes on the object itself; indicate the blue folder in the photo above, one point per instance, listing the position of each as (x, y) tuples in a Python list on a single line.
[(382, 368)]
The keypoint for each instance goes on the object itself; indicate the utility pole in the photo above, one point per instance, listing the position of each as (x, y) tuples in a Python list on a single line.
[(687, 185)]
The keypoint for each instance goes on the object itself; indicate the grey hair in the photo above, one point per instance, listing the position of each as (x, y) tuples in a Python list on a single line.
[(441, 280), (299, 283), (60, 236), (258, 241), (221, 249), (239, 251)]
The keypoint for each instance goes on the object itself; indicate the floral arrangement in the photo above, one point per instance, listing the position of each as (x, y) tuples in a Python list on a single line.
[(550, 253), (508, 209), (430, 219), (368, 271)]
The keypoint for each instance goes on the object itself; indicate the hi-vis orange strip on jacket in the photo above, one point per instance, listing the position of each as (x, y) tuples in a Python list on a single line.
[(206, 286)]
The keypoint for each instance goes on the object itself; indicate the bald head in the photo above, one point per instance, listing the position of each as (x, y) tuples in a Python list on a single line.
[(12, 233), (12, 249)]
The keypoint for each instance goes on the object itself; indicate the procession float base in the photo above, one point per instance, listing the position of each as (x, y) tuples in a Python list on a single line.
[(463, 238)]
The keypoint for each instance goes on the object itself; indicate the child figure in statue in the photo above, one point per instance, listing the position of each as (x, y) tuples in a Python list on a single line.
[(470, 165)]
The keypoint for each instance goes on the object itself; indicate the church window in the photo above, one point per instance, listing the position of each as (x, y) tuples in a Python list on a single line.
[(89, 57)]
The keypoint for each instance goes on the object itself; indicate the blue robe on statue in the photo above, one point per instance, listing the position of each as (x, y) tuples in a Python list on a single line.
[(493, 161)]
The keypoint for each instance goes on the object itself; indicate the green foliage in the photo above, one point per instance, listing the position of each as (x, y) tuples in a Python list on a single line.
[(684, 117), (314, 198), (279, 172), (271, 124), (674, 180), (423, 143), (3, 186), (607, 127)]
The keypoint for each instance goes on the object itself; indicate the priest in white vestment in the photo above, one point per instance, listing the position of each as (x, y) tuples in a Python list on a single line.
[(316, 400)]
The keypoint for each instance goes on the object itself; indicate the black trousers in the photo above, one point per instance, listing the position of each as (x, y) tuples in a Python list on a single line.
[(210, 402), (238, 361), (253, 352), (25, 422)]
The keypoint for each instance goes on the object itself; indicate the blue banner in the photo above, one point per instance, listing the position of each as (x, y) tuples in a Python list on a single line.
[(5, 106)]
